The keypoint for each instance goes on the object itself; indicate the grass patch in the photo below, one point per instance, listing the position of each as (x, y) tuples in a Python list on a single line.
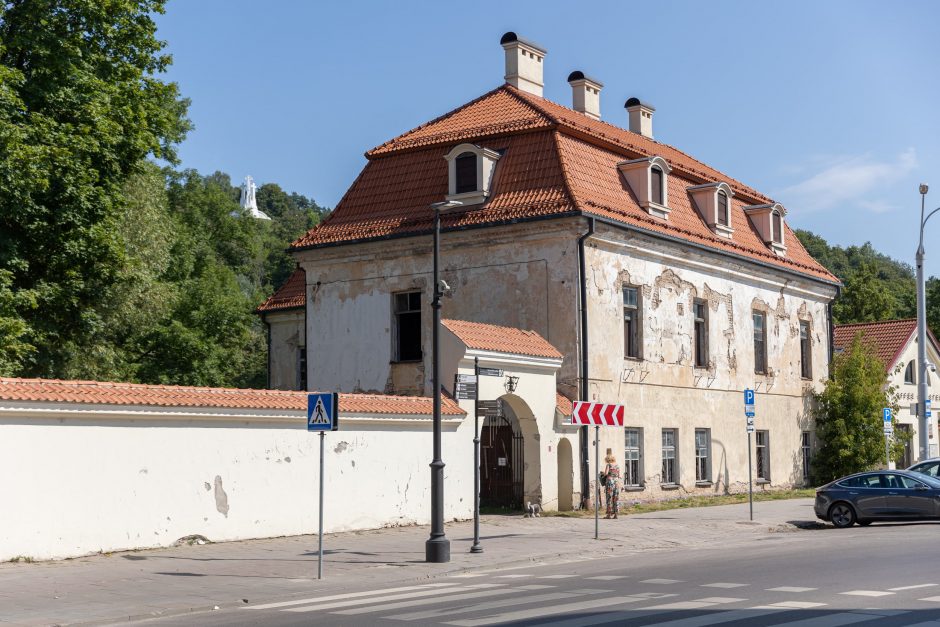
[(692, 501)]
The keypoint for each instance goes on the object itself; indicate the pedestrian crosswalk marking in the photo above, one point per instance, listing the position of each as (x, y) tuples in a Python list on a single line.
[(348, 595), (607, 577), (703, 620), (792, 605), (557, 576), (724, 585), (830, 620), (661, 581), (920, 585), (694, 605), (932, 599), (482, 607), (592, 604), (867, 593), (512, 576), (388, 597), (791, 589), (443, 598)]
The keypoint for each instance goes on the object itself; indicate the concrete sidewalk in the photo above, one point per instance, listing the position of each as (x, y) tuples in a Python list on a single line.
[(161, 582)]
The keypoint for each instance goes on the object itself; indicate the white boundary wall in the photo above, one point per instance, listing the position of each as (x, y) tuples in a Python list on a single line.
[(79, 479)]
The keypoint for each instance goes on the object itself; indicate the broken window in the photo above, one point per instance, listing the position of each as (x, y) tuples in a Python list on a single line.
[(703, 470), (408, 326), (763, 455), (806, 355), (700, 335), (669, 457), (633, 441), (631, 322), (760, 342)]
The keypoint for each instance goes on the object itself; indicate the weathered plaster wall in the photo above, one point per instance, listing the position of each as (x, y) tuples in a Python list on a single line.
[(287, 338), (79, 481), (520, 275), (664, 390)]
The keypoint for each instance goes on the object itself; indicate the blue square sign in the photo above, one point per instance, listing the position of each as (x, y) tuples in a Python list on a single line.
[(322, 410), (748, 402), (886, 414)]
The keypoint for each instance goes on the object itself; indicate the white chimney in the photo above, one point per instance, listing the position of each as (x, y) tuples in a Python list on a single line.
[(523, 63), (641, 117), (585, 94)]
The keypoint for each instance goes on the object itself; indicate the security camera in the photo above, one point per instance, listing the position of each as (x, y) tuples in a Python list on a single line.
[(932, 366)]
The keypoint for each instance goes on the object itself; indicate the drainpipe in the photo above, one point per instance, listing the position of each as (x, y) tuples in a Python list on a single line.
[(584, 391)]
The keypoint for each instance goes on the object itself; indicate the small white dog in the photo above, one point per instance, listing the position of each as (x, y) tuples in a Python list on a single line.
[(532, 510)]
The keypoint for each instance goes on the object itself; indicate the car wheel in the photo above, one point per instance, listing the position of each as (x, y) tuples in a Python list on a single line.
[(862, 523), (842, 515)]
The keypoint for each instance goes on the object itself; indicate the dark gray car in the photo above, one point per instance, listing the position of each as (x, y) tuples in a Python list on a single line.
[(882, 495)]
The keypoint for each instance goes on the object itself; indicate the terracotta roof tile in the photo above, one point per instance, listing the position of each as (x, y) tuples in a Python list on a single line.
[(108, 393), (563, 404), (501, 339), (555, 162), (291, 295), (887, 337)]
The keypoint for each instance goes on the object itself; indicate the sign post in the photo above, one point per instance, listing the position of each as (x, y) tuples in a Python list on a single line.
[(749, 418), (889, 429), (475, 547), (322, 416), (597, 414)]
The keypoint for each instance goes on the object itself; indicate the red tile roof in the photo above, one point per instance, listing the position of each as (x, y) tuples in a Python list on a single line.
[(291, 295), (107, 393), (563, 404), (887, 337), (491, 337), (555, 162)]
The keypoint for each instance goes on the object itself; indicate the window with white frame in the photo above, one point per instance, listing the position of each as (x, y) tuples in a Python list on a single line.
[(648, 179), (909, 375), (703, 463), (407, 326), (777, 227), (723, 218), (657, 185), (762, 454), (470, 172), (670, 468), (465, 171), (632, 453), (632, 319)]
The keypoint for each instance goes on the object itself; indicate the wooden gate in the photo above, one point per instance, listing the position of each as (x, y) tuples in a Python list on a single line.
[(502, 466)]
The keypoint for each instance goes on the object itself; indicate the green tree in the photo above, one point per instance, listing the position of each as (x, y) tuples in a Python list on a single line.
[(849, 414), (81, 106), (863, 298)]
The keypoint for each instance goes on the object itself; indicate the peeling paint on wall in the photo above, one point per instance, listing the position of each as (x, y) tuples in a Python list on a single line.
[(221, 498)]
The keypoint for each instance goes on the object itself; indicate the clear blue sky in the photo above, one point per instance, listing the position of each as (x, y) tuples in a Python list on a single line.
[(832, 108)]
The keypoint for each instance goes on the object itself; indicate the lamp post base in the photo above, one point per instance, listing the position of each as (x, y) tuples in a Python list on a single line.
[(437, 550), (476, 548)]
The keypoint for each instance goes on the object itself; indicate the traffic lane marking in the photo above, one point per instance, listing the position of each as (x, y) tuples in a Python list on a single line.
[(920, 585), (790, 589), (724, 585), (664, 582), (482, 607), (867, 593), (793, 605)]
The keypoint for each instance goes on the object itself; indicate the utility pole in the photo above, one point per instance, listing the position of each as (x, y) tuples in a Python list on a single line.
[(922, 423)]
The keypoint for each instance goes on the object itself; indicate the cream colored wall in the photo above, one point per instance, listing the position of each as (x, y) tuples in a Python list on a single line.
[(907, 394), (522, 276), (82, 479), (664, 390), (287, 338)]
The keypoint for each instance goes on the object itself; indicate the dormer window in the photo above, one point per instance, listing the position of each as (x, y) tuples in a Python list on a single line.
[(657, 179), (713, 202), (649, 179), (768, 220), (470, 171), (722, 219), (465, 171)]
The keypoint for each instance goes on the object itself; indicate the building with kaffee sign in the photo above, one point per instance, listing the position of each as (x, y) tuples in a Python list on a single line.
[(657, 282)]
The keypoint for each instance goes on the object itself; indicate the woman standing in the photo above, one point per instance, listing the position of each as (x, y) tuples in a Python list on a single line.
[(612, 485)]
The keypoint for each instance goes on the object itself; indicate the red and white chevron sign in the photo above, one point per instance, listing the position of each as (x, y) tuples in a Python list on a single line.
[(601, 414)]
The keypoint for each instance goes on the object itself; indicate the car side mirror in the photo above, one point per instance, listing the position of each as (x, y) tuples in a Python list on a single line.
[(921, 487)]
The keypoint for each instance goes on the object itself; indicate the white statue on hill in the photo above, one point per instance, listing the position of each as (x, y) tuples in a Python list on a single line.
[(248, 201)]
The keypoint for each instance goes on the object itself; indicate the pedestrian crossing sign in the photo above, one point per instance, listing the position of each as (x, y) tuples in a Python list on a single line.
[(322, 410)]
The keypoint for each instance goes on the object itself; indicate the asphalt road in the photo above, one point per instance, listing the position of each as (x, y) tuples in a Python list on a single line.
[(885, 575)]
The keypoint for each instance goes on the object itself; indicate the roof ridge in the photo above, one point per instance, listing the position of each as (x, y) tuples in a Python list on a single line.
[(861, 324), (372, 152)]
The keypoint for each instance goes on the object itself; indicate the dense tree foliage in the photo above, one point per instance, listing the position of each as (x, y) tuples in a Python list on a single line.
[(111, 267), (848, 414)]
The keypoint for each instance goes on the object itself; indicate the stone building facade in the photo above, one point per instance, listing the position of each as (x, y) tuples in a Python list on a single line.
[(665, 285)]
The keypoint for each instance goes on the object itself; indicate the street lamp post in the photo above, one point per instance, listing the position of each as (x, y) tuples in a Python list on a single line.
[(922, 334), (437, 547)]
